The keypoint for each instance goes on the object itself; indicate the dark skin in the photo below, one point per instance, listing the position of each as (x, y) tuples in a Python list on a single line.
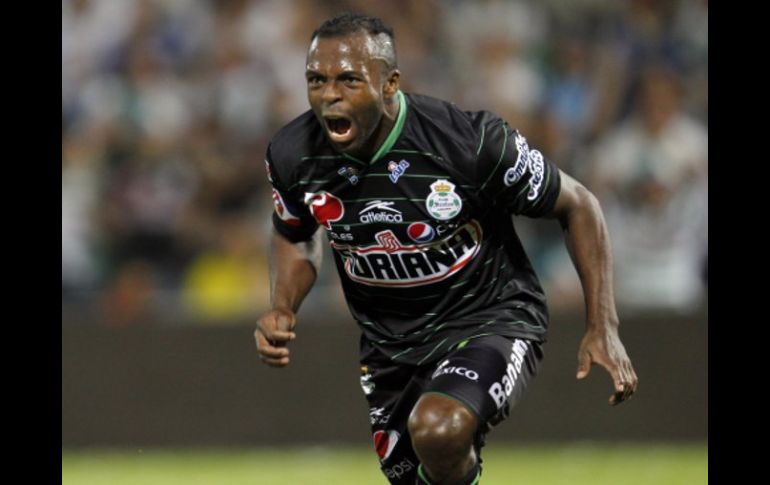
[(349, 80), (588, 243)]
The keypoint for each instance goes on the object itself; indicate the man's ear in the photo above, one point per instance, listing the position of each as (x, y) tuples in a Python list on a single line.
[(392, 84)]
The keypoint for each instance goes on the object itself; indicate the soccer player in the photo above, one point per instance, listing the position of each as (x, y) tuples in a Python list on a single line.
[(415, 197)]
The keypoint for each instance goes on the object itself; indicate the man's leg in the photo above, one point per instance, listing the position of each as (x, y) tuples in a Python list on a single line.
[(471, 390), (443, 431), (391, 391)]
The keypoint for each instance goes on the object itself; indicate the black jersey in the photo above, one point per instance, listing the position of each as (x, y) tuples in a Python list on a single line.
[(422, 234)]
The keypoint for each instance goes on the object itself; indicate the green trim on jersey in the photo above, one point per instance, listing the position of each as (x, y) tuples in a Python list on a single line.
[(502, 152), (417, 152), (333, 157), (354, 159), (395, 132), (433, 350), (367, 199), (481, 143), (406, 175)]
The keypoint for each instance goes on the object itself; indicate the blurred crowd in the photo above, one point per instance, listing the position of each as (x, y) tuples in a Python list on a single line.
[(168, 105)]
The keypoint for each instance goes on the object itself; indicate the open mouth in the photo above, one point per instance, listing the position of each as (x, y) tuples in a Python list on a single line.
[(340, 130)]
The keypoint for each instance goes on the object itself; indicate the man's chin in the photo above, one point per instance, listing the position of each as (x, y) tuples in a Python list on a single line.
[(349, 147)]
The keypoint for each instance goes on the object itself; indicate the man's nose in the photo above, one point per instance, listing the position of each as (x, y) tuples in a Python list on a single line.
[(331, 93)]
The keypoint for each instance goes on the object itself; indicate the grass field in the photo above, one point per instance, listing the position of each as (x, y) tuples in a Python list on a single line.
[(541, 465)]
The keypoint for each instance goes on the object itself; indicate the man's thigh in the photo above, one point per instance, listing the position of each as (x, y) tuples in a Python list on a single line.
[(488, 375)]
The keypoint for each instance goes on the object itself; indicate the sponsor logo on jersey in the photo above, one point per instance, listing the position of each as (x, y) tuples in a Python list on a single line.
[(385, 213), (389, 263), (397, 169), (400, 469), (527, 160), (283, 211), (537, 168), (514, 174), (366, 383), (340, 236), (325, 207), (269, 173), (500, 391), (442, 202), (420, 232), (384, 442), (378, 416), (350, 173), (444, 368)]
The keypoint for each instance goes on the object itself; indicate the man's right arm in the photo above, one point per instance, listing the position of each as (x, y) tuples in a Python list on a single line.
[(293, 270)]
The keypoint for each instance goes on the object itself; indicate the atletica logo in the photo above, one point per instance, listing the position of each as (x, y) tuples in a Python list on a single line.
[(386, 213), (389, 263), (500, 391)]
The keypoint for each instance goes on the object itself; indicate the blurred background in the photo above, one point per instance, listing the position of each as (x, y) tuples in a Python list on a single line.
[(167, 109)]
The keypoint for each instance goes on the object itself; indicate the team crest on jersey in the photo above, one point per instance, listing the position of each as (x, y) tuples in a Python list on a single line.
[(442, 202), (283, 211), (388, 263), (397, 169), (325, 207), (420, 232)]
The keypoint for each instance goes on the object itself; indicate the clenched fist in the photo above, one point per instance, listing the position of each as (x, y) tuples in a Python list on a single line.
[(274, 331)]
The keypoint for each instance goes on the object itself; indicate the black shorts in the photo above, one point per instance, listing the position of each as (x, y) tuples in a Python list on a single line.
[(488, 374)]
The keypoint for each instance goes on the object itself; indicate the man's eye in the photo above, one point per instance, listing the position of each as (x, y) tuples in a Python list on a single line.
[(314, 80), (351, 81)]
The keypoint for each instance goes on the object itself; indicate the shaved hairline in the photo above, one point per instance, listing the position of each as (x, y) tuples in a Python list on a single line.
[(379, 46)]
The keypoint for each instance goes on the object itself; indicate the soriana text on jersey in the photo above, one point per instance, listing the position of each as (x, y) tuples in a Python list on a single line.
[(392, 264)]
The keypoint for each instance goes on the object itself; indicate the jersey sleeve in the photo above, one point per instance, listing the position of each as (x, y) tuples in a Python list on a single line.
[(511, 173), (291, 217)]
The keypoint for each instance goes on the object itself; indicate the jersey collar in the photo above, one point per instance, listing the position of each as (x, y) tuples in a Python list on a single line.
[(395, 132)]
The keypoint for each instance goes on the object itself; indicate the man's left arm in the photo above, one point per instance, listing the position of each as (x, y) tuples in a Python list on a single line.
[(588, 243)]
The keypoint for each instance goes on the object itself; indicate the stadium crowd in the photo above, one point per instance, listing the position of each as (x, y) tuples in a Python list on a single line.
[(167, 107)]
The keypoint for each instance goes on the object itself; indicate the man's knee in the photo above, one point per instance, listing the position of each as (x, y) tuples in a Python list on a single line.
[(442, 432)]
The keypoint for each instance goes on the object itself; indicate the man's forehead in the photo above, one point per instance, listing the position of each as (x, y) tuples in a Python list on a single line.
[(358, 48)]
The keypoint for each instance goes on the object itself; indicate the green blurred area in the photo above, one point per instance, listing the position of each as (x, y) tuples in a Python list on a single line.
[(573, 464)]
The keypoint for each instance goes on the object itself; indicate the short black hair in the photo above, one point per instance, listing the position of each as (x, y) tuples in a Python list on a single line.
[(350, 23)]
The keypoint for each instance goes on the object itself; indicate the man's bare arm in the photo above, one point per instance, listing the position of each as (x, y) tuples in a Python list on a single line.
[(293, 270), (588, 243)]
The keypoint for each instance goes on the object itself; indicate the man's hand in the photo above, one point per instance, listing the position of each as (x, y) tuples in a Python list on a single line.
[(274, 330), (602, 345)]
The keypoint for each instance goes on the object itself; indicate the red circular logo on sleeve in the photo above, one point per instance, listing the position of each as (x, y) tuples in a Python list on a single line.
[(325, 207)]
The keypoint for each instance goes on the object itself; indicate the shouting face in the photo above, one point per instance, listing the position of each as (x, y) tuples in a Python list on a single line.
[(351, 90)]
